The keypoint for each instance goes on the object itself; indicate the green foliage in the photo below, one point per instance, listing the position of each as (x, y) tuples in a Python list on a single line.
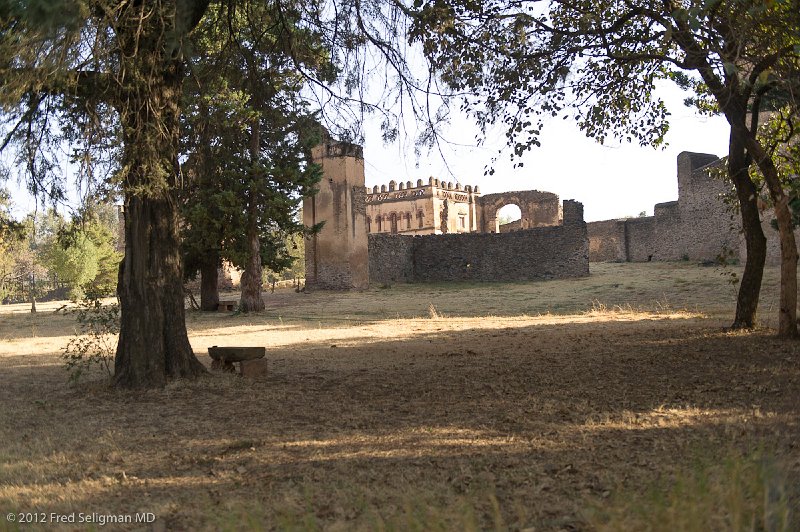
[(598, 62), (47, 254), (74, 260), (12, 239), (82, 256), (95, 344), (10, 230), (295, 246), (780, 133), (248, 144)]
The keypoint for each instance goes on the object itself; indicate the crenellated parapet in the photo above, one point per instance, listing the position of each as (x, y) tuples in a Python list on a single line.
[(395, 190), (432, 207)]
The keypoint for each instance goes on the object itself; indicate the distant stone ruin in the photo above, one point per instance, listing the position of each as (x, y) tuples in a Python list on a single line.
[(548, 252), (337, 257), (699, 226), (437, 231)]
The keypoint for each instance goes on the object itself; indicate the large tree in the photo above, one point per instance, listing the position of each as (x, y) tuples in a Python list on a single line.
[(599, 61), (248, 132), (129, 58), (122, 64), (243, 197)]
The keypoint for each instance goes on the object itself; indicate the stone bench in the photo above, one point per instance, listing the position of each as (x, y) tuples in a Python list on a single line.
[(227, 306), (250, 360)]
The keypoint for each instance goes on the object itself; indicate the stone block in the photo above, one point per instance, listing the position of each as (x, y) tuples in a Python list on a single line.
[(236, 354), (254, 369)]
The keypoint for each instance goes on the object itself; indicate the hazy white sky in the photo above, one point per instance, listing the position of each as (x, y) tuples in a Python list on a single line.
[(611, 181)]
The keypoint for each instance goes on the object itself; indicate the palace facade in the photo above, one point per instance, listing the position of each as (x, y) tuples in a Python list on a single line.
[(435, 208)]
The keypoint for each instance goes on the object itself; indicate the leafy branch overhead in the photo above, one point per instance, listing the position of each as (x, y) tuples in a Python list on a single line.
[(598, 62)]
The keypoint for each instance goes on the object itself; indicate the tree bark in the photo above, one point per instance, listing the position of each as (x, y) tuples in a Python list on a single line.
[(787, 315), (251, 300), (209, 285), (153, 344), (755, 241)]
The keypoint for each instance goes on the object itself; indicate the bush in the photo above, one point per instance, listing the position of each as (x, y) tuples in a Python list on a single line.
[(96, 342)]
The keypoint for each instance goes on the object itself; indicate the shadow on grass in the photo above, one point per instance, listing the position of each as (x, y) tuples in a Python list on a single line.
[(543, 420)]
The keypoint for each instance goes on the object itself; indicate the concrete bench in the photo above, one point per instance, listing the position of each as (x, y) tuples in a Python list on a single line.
[(250, 360), (227, 306)]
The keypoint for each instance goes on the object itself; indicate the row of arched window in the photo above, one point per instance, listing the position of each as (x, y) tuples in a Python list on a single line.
[(394, 222)]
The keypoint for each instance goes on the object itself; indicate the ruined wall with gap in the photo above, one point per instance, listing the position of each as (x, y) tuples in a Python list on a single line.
[(554, 252), (698, 226), (537, 209)]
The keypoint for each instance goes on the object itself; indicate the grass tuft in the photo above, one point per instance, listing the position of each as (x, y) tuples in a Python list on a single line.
[(738, 493)]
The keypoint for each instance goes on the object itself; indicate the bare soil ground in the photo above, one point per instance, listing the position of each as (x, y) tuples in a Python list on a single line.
[(523, 406)]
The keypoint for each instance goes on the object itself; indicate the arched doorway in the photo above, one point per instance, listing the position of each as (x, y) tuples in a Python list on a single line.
[(508, 218)]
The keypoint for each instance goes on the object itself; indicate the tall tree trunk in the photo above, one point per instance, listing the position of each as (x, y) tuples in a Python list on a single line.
[(209, 285), (787, 316), (153, 344), (755, 241), (251, 277), (31, 293), (251, 300)]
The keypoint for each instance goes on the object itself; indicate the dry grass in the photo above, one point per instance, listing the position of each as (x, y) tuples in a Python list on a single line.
[(545, 406)]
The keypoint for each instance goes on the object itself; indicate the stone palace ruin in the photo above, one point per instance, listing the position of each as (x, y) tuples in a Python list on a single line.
[(699, 226), (442, 231), (434, 231)]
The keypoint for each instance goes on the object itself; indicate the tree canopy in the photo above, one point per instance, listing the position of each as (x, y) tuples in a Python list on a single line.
[(109, 76), (248, 133)]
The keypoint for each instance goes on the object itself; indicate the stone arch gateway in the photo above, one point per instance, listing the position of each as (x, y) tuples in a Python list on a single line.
[(537, 209)]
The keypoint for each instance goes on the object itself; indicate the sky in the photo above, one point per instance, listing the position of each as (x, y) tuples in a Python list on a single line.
[(612, 181)]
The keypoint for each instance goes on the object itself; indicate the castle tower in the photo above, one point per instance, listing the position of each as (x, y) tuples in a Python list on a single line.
[(337, 257)]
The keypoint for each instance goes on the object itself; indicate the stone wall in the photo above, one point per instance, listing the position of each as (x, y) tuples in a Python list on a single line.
[(553, 252), (640, 234), (391, 258), (698, 226), (607, 241), (516, 225)]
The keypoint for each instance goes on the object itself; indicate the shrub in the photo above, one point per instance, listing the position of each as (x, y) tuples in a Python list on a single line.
[(95, 343)]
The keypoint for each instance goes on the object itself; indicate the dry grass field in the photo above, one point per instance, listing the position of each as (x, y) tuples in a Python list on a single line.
[(615, 402)]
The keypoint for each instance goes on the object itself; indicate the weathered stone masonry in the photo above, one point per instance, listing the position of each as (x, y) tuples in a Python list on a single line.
[(337, 257), (698, 226), (343, 256), (553, 252)]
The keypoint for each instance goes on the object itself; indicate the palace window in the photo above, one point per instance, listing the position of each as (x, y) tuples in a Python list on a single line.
[(420, 219)]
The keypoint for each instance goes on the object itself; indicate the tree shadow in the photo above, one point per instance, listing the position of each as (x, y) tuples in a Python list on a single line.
[(547, 417)]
